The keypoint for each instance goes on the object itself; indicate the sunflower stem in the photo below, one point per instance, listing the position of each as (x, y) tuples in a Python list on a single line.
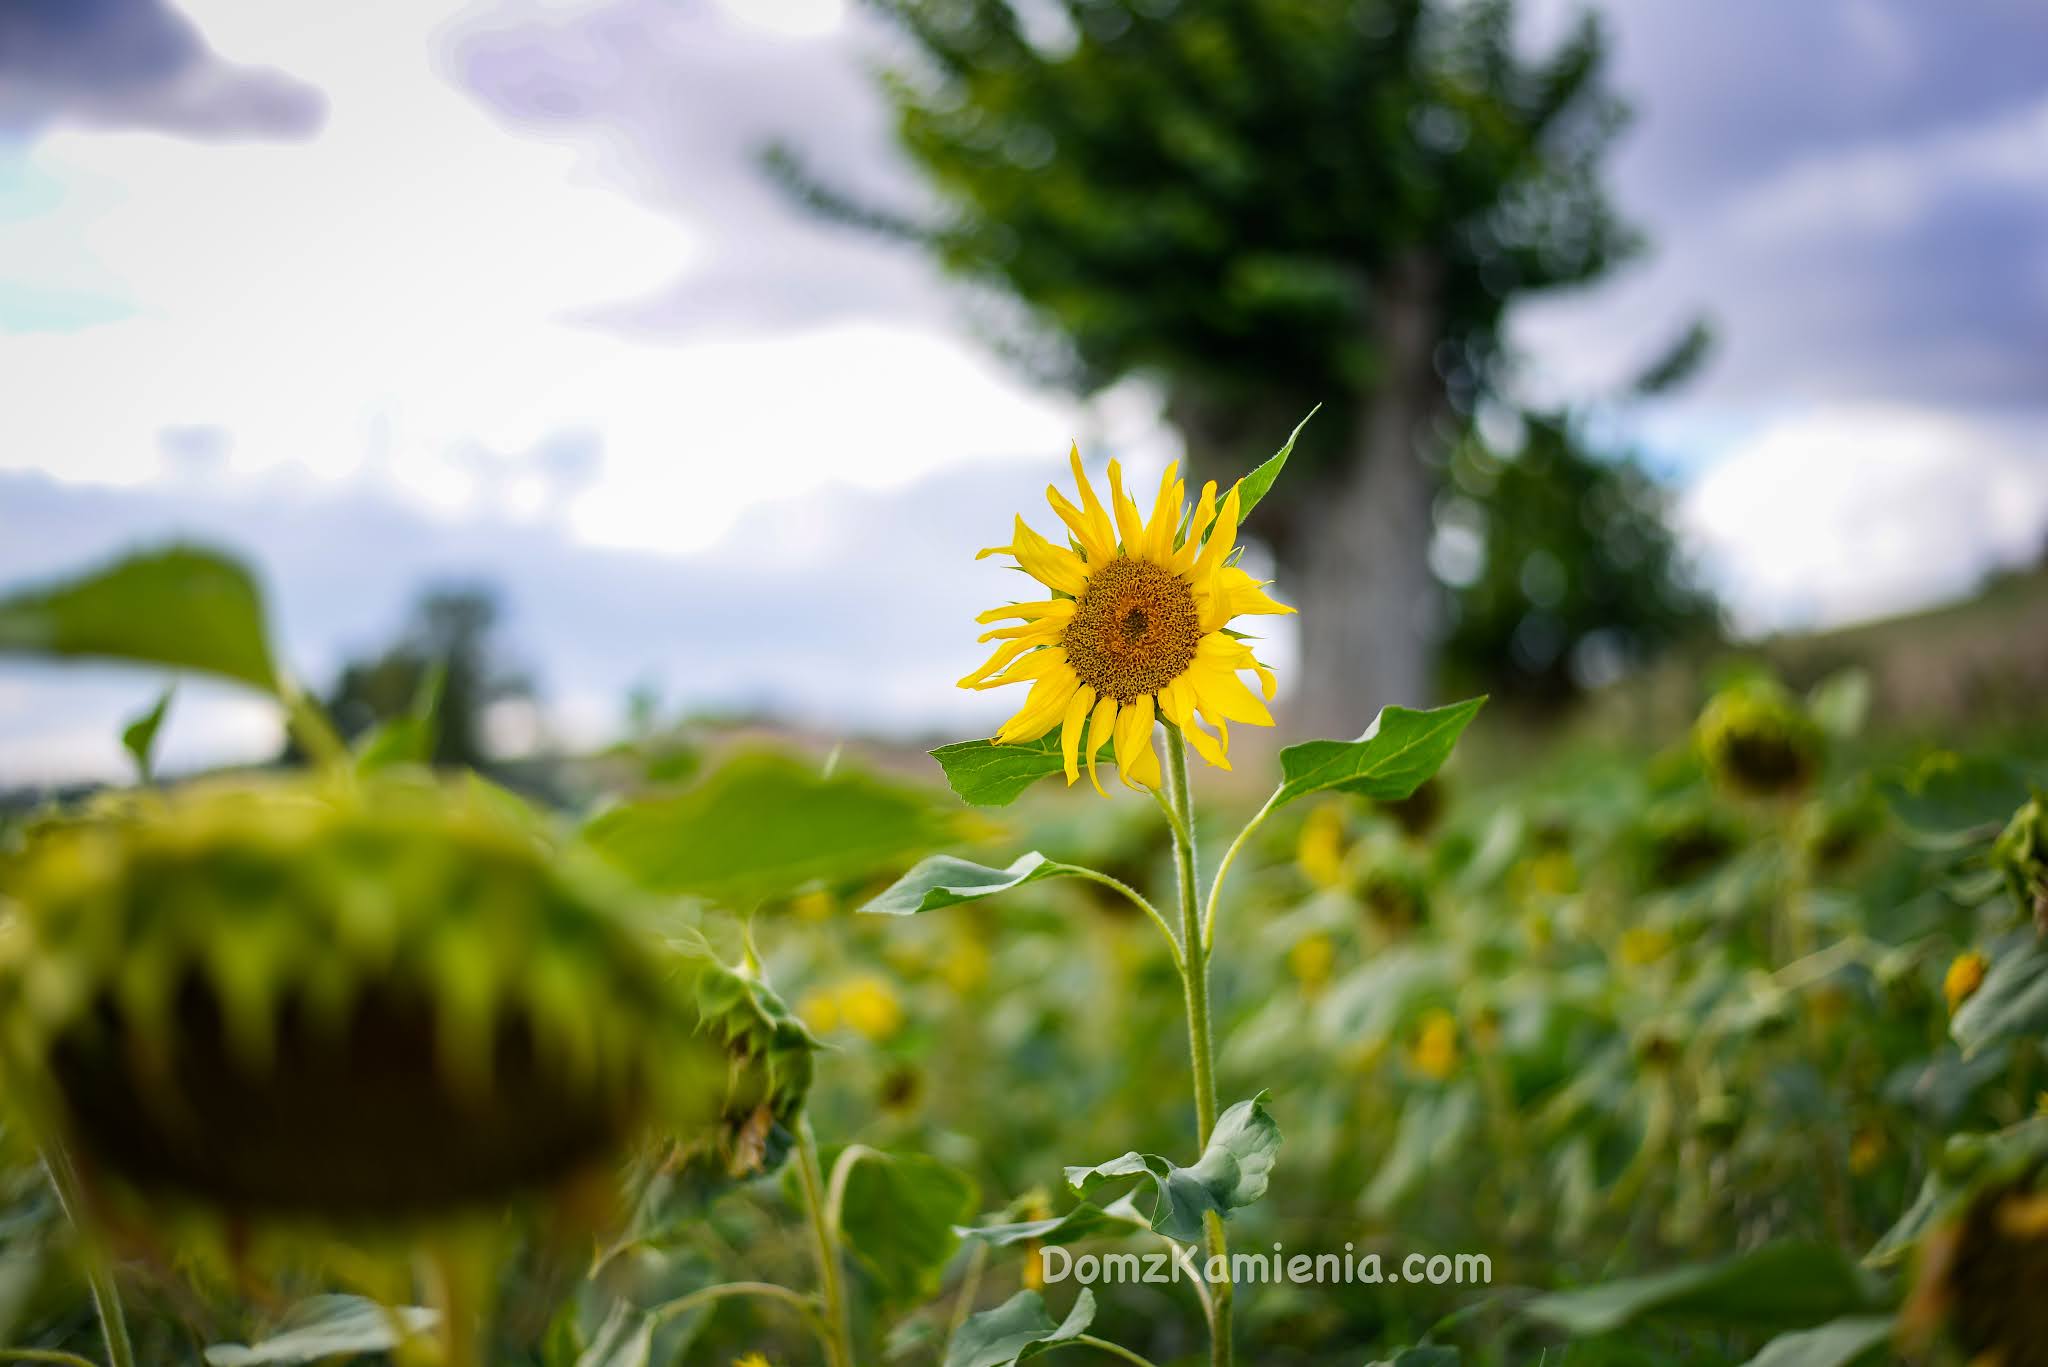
[(839, 1341), (1195, 979), (1223, 868), (99, 1269)]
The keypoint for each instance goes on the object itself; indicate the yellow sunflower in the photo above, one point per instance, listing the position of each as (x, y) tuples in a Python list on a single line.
[(1134, 629)]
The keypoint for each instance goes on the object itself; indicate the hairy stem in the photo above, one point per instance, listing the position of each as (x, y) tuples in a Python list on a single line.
[(1195, 978), (839, 1339)]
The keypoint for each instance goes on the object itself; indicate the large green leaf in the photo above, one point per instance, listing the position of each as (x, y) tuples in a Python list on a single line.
[(1255, 486), (1016, 1330), (138, 738), (763, 824), (182, 608), (1232, 1172), (944, 881), (991, 775), (1838, 1343), (1084, 1221), (1788, 1285), (2012, 1000), (1967, 1161), (323, 1327), (898, 1217), (1400, 750), (1954, 799)]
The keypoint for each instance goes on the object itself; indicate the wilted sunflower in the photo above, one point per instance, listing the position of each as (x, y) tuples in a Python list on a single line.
[(1134, 630)]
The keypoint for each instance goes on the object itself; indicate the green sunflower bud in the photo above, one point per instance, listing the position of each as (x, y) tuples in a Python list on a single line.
[(1757, 741), (376, 1003), (2021, 854)]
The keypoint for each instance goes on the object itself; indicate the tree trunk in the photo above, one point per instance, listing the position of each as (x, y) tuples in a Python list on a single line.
[(1358, 561)]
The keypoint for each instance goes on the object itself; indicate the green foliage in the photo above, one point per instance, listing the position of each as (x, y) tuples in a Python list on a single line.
[(1401, 750), (422, 699), (1231, 1173), (1120, 180), (944, 881), (991, 775), (1084, 1221), (1562, 569), (898, 1213), (181, 608), (138, 738), (1952, 799), (1838, 1343), (1778, 1284), (763, 824), (1017, 1330)]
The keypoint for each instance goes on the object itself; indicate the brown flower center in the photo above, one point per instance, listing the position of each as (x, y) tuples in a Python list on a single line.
[(1134, 630)]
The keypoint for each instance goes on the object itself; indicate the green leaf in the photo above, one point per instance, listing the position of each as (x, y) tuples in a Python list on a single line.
[(1259, 482), (1953, 799), (1016, 1330), (763, 824), (1783, 1284), (1084, 1221), (1400, 750), (407, 739), (182, 608), (943, 881), (2012, 1000), (898, 1218), (1838, 1343), (323, 1327), (991, 775), (139, 736), (1967, 1161), (1232, 1172)]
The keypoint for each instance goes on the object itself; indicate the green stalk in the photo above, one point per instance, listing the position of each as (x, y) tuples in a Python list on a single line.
[(1195, 979), (839, 1342), (99, 1272)]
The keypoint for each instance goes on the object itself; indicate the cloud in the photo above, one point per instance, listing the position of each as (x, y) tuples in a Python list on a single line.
[(842, 608), (676, 103), (1849, 512), (1850, 188), (137, 64)]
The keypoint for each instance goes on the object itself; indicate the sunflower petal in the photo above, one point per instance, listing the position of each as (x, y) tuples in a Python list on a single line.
[(1165, 520), (1070, 729), (1101, 725), (1133, 740), (1128, 524), (1222, 536), (1042, 709)]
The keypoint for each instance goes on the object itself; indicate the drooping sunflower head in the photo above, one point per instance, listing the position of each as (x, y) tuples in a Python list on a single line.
[(1134, 630), (282, 999), (1757, 741)]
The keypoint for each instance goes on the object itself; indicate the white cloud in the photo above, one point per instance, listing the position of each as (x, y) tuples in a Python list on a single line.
[(399, 294), (1854, 511)]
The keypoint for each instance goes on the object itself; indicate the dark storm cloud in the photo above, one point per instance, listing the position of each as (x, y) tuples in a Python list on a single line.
[(1739, 103), (137, 63), (677, 102), (1855, 190)]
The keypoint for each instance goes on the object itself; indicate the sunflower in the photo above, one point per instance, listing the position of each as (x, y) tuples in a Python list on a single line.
[(1135, 629)]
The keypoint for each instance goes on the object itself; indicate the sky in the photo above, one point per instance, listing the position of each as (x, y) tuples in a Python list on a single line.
[(417, 291)]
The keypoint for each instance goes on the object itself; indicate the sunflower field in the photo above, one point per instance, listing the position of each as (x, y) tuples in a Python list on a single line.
[(1114, 1035)]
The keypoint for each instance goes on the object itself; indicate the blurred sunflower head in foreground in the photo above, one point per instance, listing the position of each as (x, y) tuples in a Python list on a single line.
[(382, 1002), (1134, 630)]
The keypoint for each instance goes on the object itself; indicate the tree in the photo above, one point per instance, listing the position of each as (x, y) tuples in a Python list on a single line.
[(1264, 205), (446, 646), (1562, 564)]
